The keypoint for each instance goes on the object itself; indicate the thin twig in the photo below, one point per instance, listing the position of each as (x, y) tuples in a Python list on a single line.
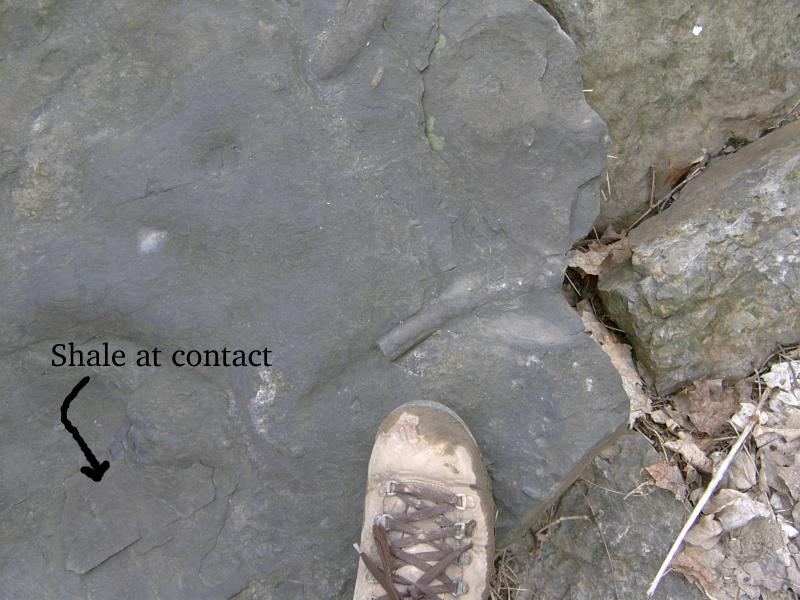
[(574, 287), (712, 486), (655, 433), (561, 520), (505, 583), (652, 184), (605, 489), (612, 328), (637, 491), (669, 195)]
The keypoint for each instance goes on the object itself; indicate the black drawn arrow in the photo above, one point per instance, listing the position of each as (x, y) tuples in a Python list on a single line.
[(95, 470)]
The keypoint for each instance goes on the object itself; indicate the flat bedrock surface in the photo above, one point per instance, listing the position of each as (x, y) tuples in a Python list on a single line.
[(309, 177)]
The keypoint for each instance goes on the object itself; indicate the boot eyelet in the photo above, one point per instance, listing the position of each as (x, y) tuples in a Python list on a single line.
[(462, 589), (462, 502), (383, 520), (461, 530), (388, 489)]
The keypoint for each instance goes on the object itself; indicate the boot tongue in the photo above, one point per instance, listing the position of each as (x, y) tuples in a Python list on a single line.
[(409, 572)]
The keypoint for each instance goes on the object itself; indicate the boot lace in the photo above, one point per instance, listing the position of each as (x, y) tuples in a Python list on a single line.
[(423, 520)]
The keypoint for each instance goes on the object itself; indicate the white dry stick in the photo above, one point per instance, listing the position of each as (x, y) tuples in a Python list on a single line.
[(712, 486)]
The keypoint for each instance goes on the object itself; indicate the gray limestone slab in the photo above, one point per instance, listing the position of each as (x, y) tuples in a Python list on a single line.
[(381, 192)]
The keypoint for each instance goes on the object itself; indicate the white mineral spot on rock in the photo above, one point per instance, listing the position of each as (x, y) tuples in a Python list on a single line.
[(529, 139), (376, 78), (151, 240), (589, 384), (697, 30), (496, 287), (532, 360), (39, 123), (264, 398)]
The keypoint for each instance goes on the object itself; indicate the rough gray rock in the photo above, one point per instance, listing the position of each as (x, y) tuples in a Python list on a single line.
[(314, 177), (670, 91), (712, 285), (633, 533)]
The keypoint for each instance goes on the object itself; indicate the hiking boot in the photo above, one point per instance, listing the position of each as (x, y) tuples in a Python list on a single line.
[(428, 515)]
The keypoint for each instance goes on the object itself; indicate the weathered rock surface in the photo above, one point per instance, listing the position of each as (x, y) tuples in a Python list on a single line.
[(712, 285), (618, 550), (672, 80), (314, 177)]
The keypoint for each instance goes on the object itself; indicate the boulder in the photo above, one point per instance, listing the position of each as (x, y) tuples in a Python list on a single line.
[(611, 542), (380, 192), (676, 80), (712, 284)]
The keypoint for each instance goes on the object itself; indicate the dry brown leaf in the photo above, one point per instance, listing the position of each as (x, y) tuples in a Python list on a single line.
[(678, 174), (693, 480), (597, 258), (691, 454), (793, 574), (611, 235), (661, 417), (677, 417), (742, 472), (743, 414), (700, 567), (753, 563), (787, 527), (756, 559), (773, 456), (588, 261), (777, 461), (783, 376), (789, 435), (705, 533), (709, 404), (620, 356), (734, 509), (791, 477), (779, 399), (668, 477), (743, 548), (754, 576)]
